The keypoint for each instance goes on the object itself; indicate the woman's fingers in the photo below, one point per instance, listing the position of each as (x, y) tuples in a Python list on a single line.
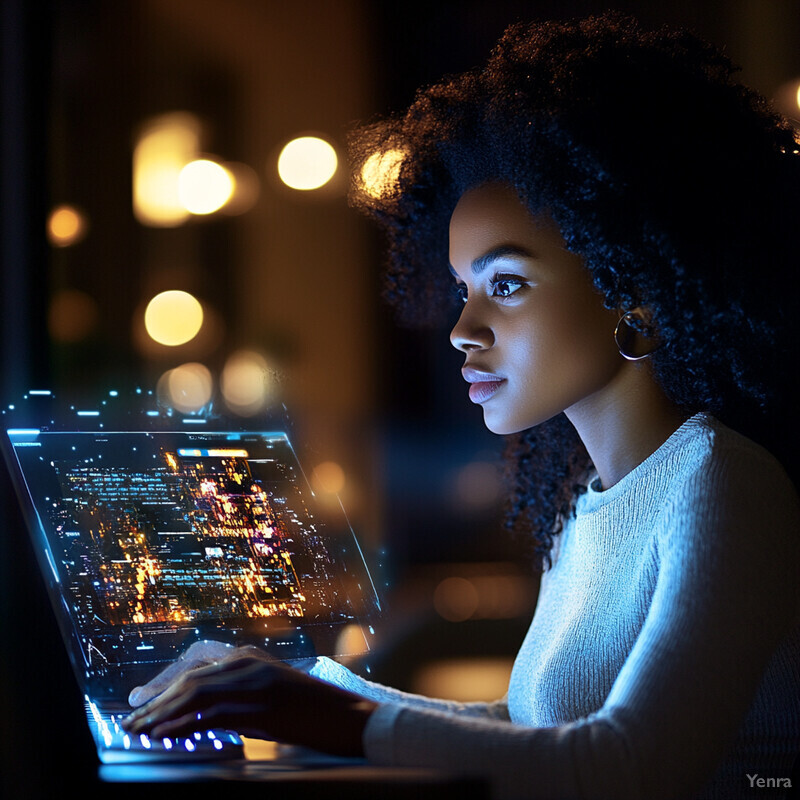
[(174, 728), (239, 678), (241, 717)]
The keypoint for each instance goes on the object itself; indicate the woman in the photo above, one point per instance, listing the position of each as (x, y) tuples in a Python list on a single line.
[(622, 223)]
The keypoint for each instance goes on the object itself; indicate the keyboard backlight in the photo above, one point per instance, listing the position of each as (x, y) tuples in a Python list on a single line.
[(167, 744), (189, 744), (93, 709)]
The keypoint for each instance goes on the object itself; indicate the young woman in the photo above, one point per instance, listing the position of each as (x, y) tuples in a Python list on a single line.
[(620, 219)]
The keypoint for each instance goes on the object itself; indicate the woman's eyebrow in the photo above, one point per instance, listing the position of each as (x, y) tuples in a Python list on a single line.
[(496, 253), (503, 251)]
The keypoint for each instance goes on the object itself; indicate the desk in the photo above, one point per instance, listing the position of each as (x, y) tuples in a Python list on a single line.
[(321, 778)]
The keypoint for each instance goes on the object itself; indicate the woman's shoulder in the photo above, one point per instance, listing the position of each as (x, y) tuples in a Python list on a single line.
[(728, 488), (732, 520), (708, 454)]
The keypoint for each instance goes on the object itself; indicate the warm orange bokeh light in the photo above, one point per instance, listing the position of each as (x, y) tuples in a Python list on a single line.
[(186, 388), (204, 186), (247, 383), (173, 317), (66, 226), (307, 163), (165, 145), (328, 478)]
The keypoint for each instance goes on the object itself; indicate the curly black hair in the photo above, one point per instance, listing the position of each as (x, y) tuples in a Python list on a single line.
[(678, 186)]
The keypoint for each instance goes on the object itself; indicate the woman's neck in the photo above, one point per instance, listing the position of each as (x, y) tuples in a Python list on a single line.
[(625, 422)]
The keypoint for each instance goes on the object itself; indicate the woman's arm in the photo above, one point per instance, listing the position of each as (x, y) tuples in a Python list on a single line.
[(332, 672)]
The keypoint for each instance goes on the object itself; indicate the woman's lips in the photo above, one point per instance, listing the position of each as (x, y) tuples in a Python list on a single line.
[(480, 392), (484, 384)]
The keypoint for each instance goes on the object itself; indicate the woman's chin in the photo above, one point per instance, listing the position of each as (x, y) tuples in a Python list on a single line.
[(499, 424), (503, 425)]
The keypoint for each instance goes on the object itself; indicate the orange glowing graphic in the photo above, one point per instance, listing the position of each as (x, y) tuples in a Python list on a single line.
[(243, 565)]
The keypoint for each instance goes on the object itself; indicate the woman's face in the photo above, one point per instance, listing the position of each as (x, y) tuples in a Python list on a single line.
[(537, 338)]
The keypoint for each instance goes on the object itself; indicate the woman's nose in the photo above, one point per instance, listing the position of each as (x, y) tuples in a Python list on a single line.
[(470, 333)]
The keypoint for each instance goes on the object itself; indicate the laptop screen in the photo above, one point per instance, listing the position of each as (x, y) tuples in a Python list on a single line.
[(155, 540)]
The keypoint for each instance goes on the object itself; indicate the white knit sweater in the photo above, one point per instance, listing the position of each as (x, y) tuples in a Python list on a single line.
[(664, 656)]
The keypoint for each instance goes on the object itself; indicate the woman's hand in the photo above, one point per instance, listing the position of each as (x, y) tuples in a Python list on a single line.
[(257, 698), (200, 654)]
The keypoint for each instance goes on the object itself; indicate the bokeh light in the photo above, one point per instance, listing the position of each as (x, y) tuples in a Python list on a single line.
[(786, 99), (455, 599), (351, 641), (165, 145), (204, 186), (492, 595), (187, 388), (464, 680), (173, 317), (66, 226), (328, 478), (501, 596), (247, 383), (478, 485), (307, 163), (381, 171), (71, 316)]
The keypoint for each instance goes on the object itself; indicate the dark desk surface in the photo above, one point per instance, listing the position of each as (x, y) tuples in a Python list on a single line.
[(354, 782), (310, 774)]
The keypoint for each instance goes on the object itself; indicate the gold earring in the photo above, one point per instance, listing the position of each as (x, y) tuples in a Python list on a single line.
[(624, 336)]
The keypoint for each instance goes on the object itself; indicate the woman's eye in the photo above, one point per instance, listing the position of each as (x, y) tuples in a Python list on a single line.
[(460, 291), (505, 287)]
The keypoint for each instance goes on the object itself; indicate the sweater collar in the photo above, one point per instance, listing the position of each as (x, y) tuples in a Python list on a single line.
[(596, 497)]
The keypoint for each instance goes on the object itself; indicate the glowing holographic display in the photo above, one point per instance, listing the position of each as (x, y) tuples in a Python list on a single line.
[(160, 539)]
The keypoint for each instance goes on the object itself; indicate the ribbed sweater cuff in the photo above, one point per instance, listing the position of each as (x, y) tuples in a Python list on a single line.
[(378, 734)]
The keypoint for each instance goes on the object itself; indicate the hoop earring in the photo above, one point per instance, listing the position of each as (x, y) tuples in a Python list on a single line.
[(627, 333)]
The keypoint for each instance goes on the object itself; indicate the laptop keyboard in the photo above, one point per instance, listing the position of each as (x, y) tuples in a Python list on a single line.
[(116, 745)]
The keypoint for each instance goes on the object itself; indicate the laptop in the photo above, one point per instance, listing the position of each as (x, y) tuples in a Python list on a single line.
[(156, 531)]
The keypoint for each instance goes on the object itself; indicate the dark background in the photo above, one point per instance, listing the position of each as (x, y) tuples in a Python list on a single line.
[(297, 277)]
